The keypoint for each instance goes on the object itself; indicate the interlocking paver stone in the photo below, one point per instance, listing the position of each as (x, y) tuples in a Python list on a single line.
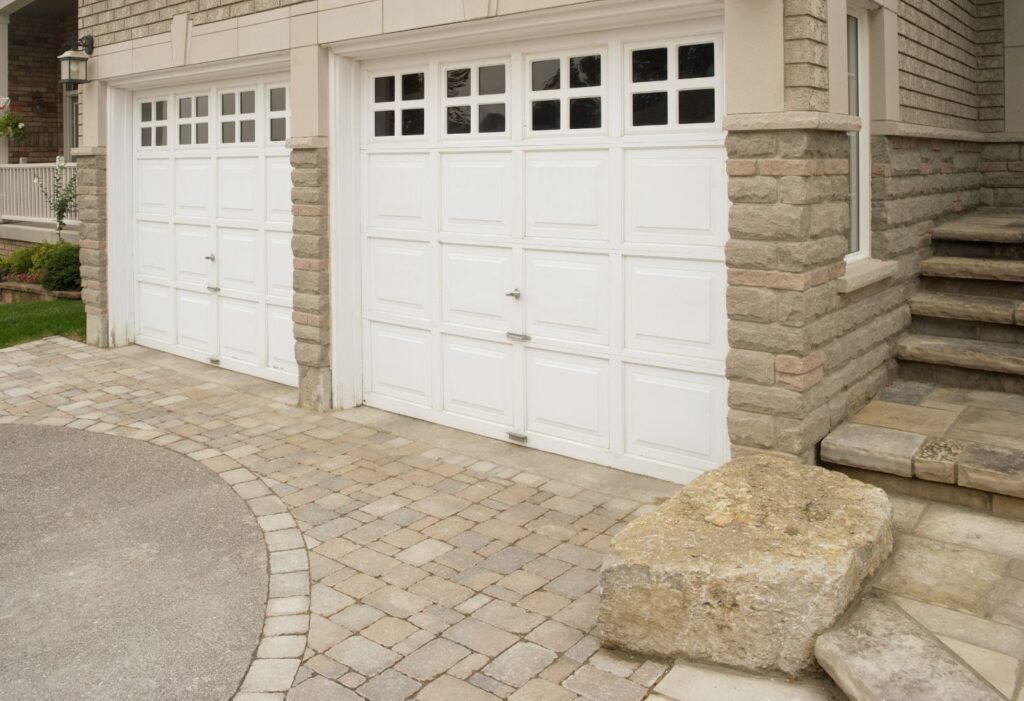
[(520, 663), (432, 659), (362, 655)]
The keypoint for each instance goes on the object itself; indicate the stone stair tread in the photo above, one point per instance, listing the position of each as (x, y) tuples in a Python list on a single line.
[(995, 310), (877, 652), (989, 225), (990, 356), (872, 448), (974, 268), (991, 469)]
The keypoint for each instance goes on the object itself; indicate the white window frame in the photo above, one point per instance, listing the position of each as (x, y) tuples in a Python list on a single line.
[(399, 103), (673, 85), (194, 121), (860, 187), (563, 94), (474, 100)]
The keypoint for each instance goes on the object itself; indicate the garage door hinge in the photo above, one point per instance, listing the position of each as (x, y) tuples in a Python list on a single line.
[(215, 361), (517, 336), (517, 436)]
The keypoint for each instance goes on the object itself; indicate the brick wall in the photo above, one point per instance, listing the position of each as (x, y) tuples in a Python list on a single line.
[(1002, 170), (951, 63), (9, 246), (34, 83)]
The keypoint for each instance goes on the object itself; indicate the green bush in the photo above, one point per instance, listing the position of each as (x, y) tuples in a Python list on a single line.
[(41, 253), (61, 268), (20, 261)]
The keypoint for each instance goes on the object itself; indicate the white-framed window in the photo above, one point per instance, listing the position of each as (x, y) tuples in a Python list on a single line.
[(860, 141), (278, 113), (566, 93), (237, 117), (475, 98), (399, 104), (193, 119), (153, 123), (672, 85), (71, 123)]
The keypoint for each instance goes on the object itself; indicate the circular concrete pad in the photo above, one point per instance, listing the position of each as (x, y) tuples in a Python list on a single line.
[(127, 571)]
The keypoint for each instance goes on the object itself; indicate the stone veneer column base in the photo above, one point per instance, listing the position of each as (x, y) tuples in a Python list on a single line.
[(92, 211), (312, 277)]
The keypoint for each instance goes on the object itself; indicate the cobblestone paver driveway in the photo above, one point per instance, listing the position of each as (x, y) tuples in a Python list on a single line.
[(407, 560)]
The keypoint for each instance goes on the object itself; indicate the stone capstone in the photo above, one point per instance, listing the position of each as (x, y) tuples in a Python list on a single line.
[(745, 566)]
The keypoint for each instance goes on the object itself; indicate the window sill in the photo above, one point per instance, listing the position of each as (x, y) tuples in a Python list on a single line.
[(866, 272)]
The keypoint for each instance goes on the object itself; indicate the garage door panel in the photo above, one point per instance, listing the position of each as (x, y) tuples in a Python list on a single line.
[(280, 268), (239, 188), (568, 397), (192, 246), (672, 197), (402, 363), (673, 416), (567, 297), (279, 191), (156, 313), (673, 306), (154, 187), (197, 321), (155, 251), (567, 195), (240, 261), (401, 278), (241, 331), (280, 339), (194, 188), (478, 379), (474, 282), (400, 190), (477, 193)]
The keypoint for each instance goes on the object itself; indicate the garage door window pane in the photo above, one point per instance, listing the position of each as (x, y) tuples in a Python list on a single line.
[(650, 65), (202, 106), (185, 134), (147, 111), (697, 61), (650, 109), (584, 71), (412, 122), (458, 82), (585, 113), (460, 119), (491, 80), (546, 115), (247, 102), (248, 131), (227, 133), (161, 136), (147, 137), (384, 89), (227, 103), (412, 86), (696, 106), (492, 118), (202, 134), (161, 110), (277, 129), (546, 75), (278, 102), (185, 107), (384, 123)]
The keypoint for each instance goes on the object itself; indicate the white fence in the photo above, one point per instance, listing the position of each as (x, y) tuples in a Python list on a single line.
[(21, 195)]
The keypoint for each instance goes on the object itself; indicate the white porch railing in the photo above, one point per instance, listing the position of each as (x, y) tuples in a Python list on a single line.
[(20, 196)]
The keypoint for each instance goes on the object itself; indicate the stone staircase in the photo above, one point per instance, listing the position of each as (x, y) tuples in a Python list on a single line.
[(966, 334)]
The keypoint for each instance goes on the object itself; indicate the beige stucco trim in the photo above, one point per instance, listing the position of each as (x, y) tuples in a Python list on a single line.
[(311, 90), (754, 56), (93, 103), (775, 121)]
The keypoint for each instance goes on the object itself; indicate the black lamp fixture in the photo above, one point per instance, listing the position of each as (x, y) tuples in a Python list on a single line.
[(73, 62)]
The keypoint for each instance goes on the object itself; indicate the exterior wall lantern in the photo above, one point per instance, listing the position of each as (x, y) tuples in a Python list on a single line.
[(73, 62)]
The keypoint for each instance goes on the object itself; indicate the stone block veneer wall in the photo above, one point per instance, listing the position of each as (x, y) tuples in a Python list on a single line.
[(92, 211), (9, 246), (311, 254), (1002, 166)]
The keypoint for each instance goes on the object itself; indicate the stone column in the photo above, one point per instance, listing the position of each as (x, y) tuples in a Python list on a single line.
[(92, 211)]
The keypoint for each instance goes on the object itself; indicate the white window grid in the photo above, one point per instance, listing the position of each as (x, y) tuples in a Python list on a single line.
[(564, 94), (272, 114), (398, 104), (237, 118), (672, 85), (156, 126), (474, 100), (193, 121)]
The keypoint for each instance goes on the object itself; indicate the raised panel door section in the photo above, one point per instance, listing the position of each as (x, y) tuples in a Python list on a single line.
[(154, 187), (279, 190), (674, 416), (474, 282), (402, 363), (400, 188), (567, 195), (154, 251), (280, 269), (156, 313), (239, 189), (478, 379), (477, 194), (675, 306), (673, 196), (567, 297), (241, 331), (401, 278), (240, 262), (193, 245), (197, 321), (281, 340), (567, 397), (193, 188)]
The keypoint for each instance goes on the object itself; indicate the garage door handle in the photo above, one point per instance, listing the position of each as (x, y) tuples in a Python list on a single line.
[(212, 289), (517, 336), (515, 294), (210, 257)]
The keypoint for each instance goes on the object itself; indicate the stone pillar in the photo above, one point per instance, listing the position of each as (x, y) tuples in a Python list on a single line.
[(312, 275), (788, 228), (92, 211)]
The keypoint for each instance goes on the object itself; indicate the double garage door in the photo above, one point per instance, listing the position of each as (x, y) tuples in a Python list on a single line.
[(542, 235), (212, 221)]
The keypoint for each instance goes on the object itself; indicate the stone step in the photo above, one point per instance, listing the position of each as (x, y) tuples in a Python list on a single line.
[(991, 225), (962, 353), (992, 310), (879, 653), (974, 268)]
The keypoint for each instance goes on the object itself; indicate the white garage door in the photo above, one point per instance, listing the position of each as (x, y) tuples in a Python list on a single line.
[(543, 230), (213, 258)]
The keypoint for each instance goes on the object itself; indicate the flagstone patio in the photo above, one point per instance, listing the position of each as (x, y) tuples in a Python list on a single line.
[(410, 560)]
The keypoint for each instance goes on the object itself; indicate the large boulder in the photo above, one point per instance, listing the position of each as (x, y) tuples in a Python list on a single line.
[(745, 566)]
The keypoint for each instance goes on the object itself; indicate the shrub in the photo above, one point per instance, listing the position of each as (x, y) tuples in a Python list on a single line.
[(61, 268), (40, 253), (20, 261)]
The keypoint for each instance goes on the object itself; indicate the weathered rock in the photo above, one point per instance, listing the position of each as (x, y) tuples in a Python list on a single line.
[(879, 653), (745, 566), (936, 460)]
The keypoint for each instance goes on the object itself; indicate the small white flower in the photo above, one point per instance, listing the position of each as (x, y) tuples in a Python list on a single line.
[(21, 125), (60, 160)]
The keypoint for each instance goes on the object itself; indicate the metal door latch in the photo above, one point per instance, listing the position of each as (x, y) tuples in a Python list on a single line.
[(515, 294), (214, 361), (210, 257), (517, 436), (517, 336), (212, 289)]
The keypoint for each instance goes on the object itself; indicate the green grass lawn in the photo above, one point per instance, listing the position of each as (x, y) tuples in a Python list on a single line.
[(27, 321)]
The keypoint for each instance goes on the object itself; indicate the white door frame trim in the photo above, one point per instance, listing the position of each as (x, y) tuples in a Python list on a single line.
[(121, 166)]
